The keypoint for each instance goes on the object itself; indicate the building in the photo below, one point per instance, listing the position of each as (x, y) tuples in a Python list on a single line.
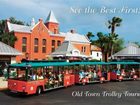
[(96, 52), (130, 52), (39, 40), (7, 55), (68, 51), (81, 42)]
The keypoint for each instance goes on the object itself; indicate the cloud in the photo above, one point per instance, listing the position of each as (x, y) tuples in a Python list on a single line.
[(26, 9)]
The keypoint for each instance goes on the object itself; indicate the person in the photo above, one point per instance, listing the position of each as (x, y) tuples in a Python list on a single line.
[(40, 76), (60, 77), (51, 79), (94, 74), (99, 73), (81, 75), (123, 73), (34, 76), (118, 72), (90, 75), (132, 72)]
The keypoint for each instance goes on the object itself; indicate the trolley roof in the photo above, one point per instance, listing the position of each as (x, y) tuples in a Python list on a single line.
[(125, 63), (64, 63)]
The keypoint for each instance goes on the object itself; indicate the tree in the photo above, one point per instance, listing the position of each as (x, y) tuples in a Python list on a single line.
[(137, 43), (90, 35), (112, 24), (102, 42), (115, 22), (2, 26), (8, 37), (14, 21), (110, 43), (119, 45)]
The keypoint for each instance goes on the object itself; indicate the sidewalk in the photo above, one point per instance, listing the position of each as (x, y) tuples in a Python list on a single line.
[(3, 83)]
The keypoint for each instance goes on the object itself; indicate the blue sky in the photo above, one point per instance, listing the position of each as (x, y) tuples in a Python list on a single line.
[(82, 21)]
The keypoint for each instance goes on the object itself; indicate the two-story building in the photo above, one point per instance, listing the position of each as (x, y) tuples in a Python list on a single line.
[(39, 40)]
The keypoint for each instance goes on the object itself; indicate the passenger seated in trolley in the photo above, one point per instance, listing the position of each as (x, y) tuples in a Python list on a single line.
[(133, 72), (94, 75), (40, 76), (34, 76), (90, 75), (60, 78), (123, 73), (99, 73), (81, 75), (51, 79), (118, 72)]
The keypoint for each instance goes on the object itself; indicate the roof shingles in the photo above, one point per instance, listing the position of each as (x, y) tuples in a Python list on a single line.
[(8, 50), (131, 50)]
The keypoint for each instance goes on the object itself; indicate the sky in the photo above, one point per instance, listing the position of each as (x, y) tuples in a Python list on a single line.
[(81, 15)]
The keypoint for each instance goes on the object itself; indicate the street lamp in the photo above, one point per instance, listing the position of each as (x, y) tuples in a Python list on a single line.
[(26, 56)]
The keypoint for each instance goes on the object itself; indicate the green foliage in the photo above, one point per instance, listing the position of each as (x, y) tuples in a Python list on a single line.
[(137, 43), (90, 35), (115, 22), (113, 37), (104, 41), (2, 26), (8, 37), (110, 43), (14, 21), (119, 45)]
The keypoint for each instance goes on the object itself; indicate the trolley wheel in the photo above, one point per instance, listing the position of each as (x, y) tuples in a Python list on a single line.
[(134, 79), (101, 82), (38, 91), (120, 80), (83, 83)]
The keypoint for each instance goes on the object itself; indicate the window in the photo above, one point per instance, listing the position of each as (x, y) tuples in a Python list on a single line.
[(53, 42), (53, 45), (83, 49), (24, 44), (53, 49), (55, 31), (97, 54), (36, 45), (58, 43), (44, 46)]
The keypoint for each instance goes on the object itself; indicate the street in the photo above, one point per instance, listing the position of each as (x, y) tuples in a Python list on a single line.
[(113, 93)]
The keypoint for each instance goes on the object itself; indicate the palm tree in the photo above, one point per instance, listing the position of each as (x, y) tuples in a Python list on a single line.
[(102, 42), (112, 24), (90, 35), (115, 22)]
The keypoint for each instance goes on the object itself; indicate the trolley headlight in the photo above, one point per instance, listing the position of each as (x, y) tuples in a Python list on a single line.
[(135, 76), (84, 80), (102, 79), (15, 84), (120, 77), (31, 88), (67, 83)]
